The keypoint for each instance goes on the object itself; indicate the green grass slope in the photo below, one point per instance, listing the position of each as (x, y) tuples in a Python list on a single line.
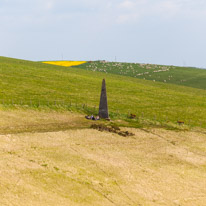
[(187, 76), (34, 84)]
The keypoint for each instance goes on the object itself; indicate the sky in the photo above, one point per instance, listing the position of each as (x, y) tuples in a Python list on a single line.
[(169, 32)]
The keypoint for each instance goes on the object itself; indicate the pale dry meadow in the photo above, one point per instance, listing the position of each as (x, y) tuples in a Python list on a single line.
[(43, 163)]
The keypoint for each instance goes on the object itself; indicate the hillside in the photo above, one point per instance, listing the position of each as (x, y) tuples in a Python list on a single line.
[(80, 167), (186, 76), (40, 86), (51, 156)]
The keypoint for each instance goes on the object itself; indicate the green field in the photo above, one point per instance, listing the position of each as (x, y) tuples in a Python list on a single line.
[(38, 85), (186, 76)]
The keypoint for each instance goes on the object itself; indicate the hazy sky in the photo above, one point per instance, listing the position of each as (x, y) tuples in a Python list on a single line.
[(171, 32)]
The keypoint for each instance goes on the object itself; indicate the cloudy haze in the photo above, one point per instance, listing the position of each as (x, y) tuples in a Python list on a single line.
[(148, 31)]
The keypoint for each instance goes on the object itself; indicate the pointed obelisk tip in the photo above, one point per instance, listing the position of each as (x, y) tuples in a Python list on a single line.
[(103, 107)]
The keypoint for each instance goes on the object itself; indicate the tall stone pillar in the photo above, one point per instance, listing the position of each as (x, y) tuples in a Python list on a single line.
[(103, 108)]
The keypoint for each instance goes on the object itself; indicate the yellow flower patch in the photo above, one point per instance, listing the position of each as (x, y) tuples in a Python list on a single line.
[(65, 63)]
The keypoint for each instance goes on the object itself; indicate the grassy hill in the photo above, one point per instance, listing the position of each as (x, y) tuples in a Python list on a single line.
[(186, 76), (50, 156), (38, 85)]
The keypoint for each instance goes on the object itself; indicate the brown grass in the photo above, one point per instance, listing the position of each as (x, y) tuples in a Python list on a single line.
[(27, 120), (89, 167)]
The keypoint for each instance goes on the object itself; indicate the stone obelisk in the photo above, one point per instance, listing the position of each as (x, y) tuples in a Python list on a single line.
[(103, 108)]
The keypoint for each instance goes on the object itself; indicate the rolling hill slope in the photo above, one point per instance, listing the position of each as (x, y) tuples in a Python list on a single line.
[(50, 156), (38, 85), (87, 167), (186, 76)]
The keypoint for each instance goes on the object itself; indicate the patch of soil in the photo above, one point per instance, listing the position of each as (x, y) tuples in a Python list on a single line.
[(111, 129)]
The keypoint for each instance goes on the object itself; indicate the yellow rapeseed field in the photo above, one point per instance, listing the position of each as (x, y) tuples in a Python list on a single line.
[(65, 63)]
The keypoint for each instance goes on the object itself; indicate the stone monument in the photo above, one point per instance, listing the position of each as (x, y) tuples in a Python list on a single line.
[(103, 108)]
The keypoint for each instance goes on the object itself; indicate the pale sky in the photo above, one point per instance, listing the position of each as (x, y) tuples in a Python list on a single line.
[(171, 32)]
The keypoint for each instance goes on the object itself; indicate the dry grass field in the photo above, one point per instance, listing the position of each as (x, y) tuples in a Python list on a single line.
[(43, 163), (28, 120)]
